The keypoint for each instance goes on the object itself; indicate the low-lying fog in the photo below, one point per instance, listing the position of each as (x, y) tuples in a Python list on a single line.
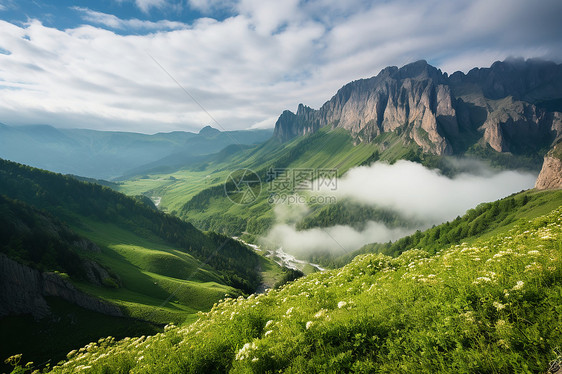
[(414, 191)]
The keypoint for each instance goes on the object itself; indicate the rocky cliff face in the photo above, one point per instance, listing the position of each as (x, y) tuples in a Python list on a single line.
[(23, 291), (498, 106), (550, 176)]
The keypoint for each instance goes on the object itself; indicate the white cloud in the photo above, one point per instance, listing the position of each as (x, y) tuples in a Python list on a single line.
[(420, 193), (207, 6), (146, 5), (265, 124), (248, 68), (336, 239), (114, 22), (268, 15), (415, 192)]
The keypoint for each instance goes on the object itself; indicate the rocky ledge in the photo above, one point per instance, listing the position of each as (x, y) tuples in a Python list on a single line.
[(23, 291)]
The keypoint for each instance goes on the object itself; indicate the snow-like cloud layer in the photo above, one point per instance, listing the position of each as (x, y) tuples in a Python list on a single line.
[(421, 193), (418, 193)]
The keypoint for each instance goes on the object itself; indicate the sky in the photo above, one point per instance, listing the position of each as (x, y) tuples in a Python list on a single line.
[(164, 65)]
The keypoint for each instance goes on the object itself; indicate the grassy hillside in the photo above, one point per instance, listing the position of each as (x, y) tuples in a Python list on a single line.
[(39, 240), (483, 221), (81, 204), (146, 276), (492, 306), (155, 267), (197, 193)]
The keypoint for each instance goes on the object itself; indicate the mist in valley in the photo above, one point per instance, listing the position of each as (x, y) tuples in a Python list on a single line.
[(421, 195)]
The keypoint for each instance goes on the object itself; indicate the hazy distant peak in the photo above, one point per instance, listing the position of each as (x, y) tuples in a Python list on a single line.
[(208, 131)]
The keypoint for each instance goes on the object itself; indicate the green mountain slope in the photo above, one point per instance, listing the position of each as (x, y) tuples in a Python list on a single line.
[(80, 204), (490, 306), (161, 269), (35, 324), (197, 193)]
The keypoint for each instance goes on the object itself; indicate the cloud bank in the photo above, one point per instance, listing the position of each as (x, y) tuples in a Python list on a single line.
[(408, 188), (246, 68), (336, 239), (418, 192)]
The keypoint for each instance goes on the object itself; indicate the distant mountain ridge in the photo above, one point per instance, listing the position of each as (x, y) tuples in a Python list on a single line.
[(111, 154), (513, 106)]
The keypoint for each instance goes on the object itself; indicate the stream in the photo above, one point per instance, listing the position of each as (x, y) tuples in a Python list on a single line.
[(281, 257)]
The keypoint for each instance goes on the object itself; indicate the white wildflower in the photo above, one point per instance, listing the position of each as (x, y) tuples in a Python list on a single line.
[(244, 352), (498, 305), (268, 323), (320, 313), (482, 280), (469, 316), (309, 325), (519, 285), (341, 304)]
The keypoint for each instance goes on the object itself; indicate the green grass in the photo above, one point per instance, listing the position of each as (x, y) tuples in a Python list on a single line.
[(197, 193), (325, 149), (540, 203), (271, 272), (158, 283), (173, 193), (492, 306)]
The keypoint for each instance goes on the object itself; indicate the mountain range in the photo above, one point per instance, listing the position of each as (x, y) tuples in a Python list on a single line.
[(513, 106), (111, 154)]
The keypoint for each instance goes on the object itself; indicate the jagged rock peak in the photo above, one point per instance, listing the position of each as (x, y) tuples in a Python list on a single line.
[(505, 106), (419, 70)]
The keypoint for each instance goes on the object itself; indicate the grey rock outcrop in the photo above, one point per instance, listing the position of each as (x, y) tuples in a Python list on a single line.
[(498, 106), (23, 291), (550, 176)]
